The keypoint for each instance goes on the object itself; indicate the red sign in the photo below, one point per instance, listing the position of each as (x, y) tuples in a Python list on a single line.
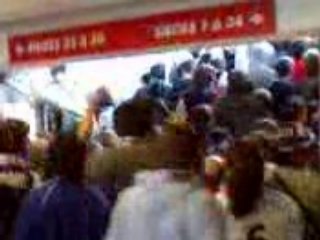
[(244, 19)]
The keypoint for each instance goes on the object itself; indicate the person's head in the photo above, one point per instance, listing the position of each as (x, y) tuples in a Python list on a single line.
[(196, 52), (158, 71), (99, 99), (138, 117), (69, 153), (205, 58), (203, 76), (239, 83), (13, 136), (297, 49), (185, 70), (57, 71), (218, 64), (245, 175), (187, 66), (145, 79), (284, 67), (180, 147)]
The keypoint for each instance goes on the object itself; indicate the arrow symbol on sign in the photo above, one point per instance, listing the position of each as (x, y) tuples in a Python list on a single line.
[(19, 49), (256, 19)]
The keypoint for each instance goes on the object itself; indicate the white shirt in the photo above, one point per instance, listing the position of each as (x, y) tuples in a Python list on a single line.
[(164, 211), (277, 217)]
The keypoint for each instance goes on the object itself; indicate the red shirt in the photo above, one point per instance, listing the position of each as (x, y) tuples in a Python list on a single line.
[(299, 71)]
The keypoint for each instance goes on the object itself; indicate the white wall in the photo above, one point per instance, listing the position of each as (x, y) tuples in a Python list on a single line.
[(298, 15)]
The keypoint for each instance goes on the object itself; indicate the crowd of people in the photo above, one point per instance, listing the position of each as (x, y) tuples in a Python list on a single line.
[(210, 152)]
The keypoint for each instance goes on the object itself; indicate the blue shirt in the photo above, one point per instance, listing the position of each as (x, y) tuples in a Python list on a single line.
[(63, 211)]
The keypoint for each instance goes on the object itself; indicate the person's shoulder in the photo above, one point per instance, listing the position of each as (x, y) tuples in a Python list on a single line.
[(276, 197), (135, 198), (41, 188), (133, 193), (276, 200), (40, 194)]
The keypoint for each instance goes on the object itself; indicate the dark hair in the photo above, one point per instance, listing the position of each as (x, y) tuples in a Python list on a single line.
[(283, 67), (203, 76), (68, 153), (239, 83), (195, 53), (58, 69), (103, 97), (137, 117), (246, 179), (181, 147), (13, 134), (186, 66), (158, 71), (205, 58), (145, 78), (297, 49)]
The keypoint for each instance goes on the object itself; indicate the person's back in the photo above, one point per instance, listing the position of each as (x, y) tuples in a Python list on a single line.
[(62, 210), (199, 91), (283, 88), (155, 202), (258, 211), (229, 114), (206, 216), (262, 56), (281, 92), (161, 205), (170, 208), (240, 109), (194, 98), (276, 216)]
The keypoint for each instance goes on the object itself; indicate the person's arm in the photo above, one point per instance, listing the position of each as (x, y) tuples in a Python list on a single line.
[(86, 124)]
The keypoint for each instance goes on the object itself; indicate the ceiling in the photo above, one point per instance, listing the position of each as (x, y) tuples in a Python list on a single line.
[(15, 10), (19, 16)]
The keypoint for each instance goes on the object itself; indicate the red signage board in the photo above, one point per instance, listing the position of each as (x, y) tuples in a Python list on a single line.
[(243, 19)]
